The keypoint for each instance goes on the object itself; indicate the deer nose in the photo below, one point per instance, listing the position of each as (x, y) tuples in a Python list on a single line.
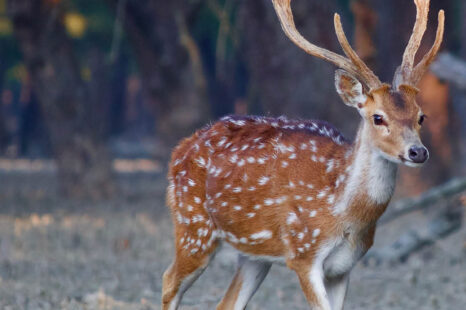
[(418, 154)]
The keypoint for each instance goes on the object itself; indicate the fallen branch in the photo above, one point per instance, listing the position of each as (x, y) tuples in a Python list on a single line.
[(415, 239), (426, 199), (450, 68)]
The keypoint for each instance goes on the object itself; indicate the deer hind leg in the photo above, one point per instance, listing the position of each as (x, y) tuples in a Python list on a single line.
[(181, 274), (246, 281), (191, 259)]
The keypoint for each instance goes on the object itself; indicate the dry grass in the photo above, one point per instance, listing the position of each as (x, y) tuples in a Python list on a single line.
[(59, 254)]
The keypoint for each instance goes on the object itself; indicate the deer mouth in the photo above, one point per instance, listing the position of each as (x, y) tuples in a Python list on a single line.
[(408, 162)]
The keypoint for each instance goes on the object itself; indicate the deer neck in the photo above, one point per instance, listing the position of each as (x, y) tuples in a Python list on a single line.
[(370, 178)]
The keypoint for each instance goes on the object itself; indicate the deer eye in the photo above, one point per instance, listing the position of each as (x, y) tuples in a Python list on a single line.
[(421, 119), (378, 119)]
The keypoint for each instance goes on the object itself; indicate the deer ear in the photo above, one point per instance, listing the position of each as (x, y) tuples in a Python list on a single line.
[(349, 89)]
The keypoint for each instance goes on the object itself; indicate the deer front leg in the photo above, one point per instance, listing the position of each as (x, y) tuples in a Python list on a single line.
[(336, 289), (312, 284)]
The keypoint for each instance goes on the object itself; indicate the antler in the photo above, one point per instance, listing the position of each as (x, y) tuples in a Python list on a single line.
[(353, 64), (406, 74), (424, 64)]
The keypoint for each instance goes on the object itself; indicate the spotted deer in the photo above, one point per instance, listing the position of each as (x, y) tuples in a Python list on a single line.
[(293, 191)]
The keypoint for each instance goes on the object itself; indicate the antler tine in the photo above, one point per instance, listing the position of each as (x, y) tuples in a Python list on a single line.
[(422, 11), (370, 78), (283, 10), (423, 65)]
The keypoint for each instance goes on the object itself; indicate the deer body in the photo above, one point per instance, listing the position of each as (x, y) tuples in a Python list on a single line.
[(278, 189), (295, 191)]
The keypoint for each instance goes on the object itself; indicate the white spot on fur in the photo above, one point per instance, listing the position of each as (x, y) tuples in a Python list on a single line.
[(263, 180), (264, 234), (330, 164), (197, 218), (233, 158), (280, 199), (200, 162), (292, 218), (321, 194), (222, 141), (238, 122)]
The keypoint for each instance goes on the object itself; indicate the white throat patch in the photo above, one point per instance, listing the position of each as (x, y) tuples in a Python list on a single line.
[(372, 173)]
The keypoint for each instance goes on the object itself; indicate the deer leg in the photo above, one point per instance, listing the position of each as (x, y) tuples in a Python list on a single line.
[(182, 273), (175, 285), (246, 281), (336, 288), (312, 284)]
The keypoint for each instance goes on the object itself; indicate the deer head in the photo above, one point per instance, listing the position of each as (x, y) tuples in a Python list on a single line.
[(391, 116)]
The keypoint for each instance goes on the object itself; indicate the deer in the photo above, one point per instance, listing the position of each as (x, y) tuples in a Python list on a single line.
[(296, 192)]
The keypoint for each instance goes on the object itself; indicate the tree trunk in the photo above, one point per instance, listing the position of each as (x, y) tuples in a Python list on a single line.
[(4, 139), (170, 63), (83, 162)]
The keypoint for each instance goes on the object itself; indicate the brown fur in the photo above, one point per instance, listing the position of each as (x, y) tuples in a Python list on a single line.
[(293, 167)]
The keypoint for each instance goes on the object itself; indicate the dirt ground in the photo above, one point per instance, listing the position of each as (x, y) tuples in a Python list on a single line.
[(59, 254)]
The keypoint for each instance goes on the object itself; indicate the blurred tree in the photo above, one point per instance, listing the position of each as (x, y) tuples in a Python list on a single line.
[(284, 80), (84, 166), (365, 21), (169, 60), (459, 96), (3, 130)]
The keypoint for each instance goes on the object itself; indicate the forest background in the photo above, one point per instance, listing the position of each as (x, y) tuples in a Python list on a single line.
[(94, 95)]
